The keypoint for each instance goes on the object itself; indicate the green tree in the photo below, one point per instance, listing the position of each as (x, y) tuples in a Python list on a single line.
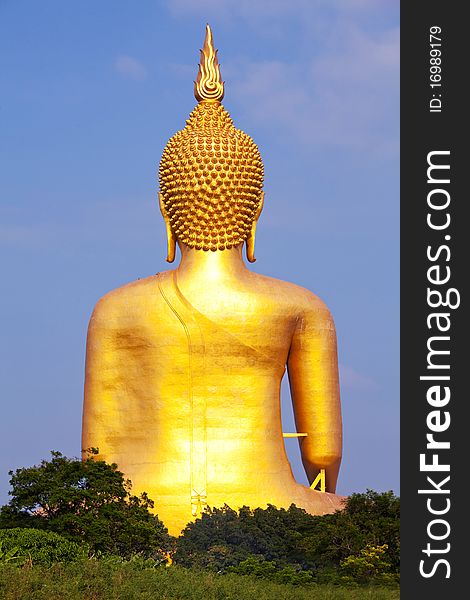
[(369, 518), (377, 515), (293, 539), (85, 500), (368, 565), (223, 537)]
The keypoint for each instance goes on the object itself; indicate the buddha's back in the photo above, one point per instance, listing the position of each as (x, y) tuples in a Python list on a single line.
[(183, 390), (184, 369)]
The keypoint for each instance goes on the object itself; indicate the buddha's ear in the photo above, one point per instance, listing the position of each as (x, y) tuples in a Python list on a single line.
[(171, 240), (250, 242)]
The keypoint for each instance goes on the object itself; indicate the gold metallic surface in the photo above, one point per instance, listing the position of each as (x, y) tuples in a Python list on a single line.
[(209, 84), (184, 368)]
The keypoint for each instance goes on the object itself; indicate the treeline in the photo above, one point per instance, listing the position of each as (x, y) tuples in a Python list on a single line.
[(66, 510)]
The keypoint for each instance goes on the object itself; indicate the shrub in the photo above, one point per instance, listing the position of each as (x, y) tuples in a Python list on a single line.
[(22, 545), (267, 569)]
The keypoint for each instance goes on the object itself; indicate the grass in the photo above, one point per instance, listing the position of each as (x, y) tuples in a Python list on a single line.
[(98, 580)]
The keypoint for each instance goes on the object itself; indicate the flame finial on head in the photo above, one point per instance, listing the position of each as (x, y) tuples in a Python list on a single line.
[(209, 84)]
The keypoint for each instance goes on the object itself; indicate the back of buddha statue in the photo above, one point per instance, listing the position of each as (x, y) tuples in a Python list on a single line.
[(184, 368)]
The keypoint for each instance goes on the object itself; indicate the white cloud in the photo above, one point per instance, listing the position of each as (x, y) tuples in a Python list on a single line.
[(347, 96), (352, 379), (247, 9), (130, 68), (361, 57), (356, 5), (264, 10)]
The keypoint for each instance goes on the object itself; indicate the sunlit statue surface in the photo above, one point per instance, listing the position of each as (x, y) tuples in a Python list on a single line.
[(184, 368)]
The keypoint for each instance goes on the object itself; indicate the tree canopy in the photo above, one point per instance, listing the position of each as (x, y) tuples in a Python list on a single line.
[(88, 500), (224, 538)]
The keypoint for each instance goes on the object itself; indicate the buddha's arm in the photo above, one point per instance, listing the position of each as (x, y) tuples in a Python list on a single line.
[(100, 413), (313, 378)]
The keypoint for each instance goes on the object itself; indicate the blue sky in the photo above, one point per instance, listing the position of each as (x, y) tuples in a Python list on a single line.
[(92, 91)]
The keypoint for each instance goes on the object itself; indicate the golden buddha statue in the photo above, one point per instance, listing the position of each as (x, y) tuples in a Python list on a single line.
[(184, 368)]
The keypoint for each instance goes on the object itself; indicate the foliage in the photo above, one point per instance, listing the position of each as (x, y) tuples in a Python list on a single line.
[(108, 579), (32, 546), (267, 569), (85, 500), (369, 518), (223, 539), (9, 554), (369, 564)]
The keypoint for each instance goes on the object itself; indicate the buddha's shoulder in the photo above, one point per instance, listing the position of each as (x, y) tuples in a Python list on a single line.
[(289, 294), (128, 298)]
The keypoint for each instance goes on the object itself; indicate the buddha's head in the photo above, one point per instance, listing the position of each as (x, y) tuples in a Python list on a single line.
[(211, 174)]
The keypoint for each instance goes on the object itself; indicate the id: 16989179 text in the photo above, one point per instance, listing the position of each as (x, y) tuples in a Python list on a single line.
[(435, 68)]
